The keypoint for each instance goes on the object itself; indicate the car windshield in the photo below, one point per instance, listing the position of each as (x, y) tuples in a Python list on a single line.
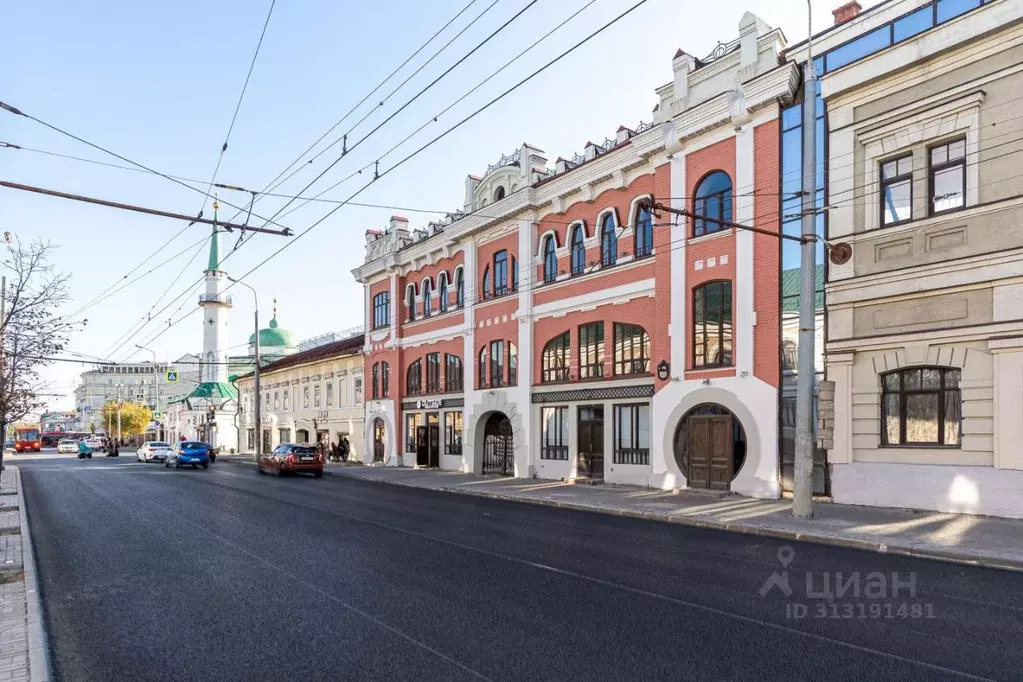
[(304, 450), (193, 446)]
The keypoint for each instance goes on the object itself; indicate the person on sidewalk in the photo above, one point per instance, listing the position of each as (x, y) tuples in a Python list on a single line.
[(344, 447), (335, 454)]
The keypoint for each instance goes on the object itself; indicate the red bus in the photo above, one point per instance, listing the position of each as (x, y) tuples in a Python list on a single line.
[(26, 439)]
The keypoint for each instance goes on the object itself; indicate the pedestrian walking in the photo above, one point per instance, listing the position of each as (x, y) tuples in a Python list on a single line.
[(335, 453), (344, 447)]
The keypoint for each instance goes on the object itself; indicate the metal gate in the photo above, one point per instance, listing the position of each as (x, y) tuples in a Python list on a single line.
[(498, 450)]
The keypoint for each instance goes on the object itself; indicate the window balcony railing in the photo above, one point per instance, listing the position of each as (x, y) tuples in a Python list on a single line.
[(216, 298)]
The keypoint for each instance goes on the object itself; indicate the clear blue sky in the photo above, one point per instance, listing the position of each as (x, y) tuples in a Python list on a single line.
[(158, 82)]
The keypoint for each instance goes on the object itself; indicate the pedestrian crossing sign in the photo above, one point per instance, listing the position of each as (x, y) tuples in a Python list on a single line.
[(172, 376)]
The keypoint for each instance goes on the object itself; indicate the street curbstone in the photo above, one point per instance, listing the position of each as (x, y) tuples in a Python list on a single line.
[(39, 663)]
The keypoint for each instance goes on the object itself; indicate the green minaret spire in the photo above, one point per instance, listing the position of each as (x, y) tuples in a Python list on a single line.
[(214, 263)]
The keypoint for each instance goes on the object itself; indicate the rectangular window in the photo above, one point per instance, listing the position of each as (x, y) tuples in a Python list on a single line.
[(330, 394), (913, 23), (591, 350), (266, 402), (414, 378), (897, 190), (921, 406), (375, 382), (554, 439), (554, 363), (433, 373), (452, 433), (949, 9), (358, 390), (316, 395), (496, 364), (413, 420), (712, 324), (385, 379), (287, 401), (947, 176), (868, 44), (277, 401), (452, 373), (501, 273), (305, 397), (381, 309), (632, 350), (632, 434)]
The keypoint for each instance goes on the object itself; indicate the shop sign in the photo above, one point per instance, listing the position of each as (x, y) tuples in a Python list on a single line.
[(431, 404)]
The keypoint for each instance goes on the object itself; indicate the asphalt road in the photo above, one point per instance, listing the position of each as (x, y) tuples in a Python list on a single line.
[(152, 574)]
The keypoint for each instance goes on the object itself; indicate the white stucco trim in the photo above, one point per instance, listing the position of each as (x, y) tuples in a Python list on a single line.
[(599, 222), (542, 240), (742, 196), (571, 227), (613, 295)]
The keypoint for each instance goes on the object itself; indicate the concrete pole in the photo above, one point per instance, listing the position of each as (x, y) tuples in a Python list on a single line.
[(258, 402), (802, 498)]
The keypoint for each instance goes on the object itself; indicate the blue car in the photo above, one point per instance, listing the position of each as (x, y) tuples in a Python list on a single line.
[(188, 452)]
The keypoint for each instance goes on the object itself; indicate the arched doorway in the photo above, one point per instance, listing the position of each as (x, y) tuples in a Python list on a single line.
[(710, 446), (498, 448), (379, 440)]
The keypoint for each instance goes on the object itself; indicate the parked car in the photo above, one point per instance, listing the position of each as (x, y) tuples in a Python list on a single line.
[(153, 450), (94, 443), (288, 458), (188, 452), (67, 446)]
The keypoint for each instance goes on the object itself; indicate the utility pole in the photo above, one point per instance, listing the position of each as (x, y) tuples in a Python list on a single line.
[(802, 494), (156, 388), (257, 399)]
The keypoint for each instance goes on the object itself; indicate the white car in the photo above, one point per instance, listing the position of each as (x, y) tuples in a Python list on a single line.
[(94, 443), (67, 445), (153, 450)]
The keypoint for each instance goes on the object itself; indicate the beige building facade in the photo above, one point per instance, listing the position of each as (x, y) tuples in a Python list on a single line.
[(925, 320), (313, 395)]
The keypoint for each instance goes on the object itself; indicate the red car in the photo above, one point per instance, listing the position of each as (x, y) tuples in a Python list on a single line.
[(289, 458)]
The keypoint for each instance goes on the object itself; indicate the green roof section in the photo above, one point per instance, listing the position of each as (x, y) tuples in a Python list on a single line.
[(215, 392), (790, 281), (214, 262), (274, 337)]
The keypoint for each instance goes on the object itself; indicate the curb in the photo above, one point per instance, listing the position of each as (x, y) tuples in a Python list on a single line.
[(38, 649), (932, 554)]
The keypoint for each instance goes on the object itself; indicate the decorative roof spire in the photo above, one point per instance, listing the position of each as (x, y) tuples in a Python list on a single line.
[(214, 262)]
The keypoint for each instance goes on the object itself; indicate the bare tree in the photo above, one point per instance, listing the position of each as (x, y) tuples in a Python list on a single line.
[(30, 330)]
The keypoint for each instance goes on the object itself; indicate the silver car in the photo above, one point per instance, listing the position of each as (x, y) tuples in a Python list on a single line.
[(153, 451)]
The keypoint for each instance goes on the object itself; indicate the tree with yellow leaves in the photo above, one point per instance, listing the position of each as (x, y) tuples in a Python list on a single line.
[(134, 418)]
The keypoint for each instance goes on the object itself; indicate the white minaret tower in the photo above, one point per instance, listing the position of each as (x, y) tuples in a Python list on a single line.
[(216, 308)]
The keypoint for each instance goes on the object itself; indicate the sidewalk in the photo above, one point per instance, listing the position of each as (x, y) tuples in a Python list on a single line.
[(976, 540), (23, 656)]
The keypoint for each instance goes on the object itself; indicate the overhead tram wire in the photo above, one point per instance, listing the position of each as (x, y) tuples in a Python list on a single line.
[(407, 158), (17, 112), (436, 80), (271, 185)]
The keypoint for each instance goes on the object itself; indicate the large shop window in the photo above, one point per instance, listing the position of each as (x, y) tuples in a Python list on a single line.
[(555, 360), (427, 298), (385, 379), (554, 440), (712, 324), (496, 364), (414, 378), (433, 373), (608, 240), (550, 260), (591, 350), (452, 373), (897, 190), (632, 350), (632, 434), (713, 203), (921, 406), (947, 176), (413, 420), (452, 433), (578, 250), (482, 368), (381, 309), (459, 288), (643, 232)]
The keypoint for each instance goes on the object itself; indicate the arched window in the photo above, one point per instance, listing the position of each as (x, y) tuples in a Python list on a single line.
[(483, 369), (410, 301), (385, 379), (643, 232), (501, 273), (632, 349), (712, 324), (381, 309), (442, 291), (713, 200), (452, 373), (921, 406), (496, 363), (608, 241), (459, 288), (550, 260), (514, 274), (427, 298), (578, 250), (513, 365), (555, 359), (486, 283), (499, 193), (414, 378), (376, 381)]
